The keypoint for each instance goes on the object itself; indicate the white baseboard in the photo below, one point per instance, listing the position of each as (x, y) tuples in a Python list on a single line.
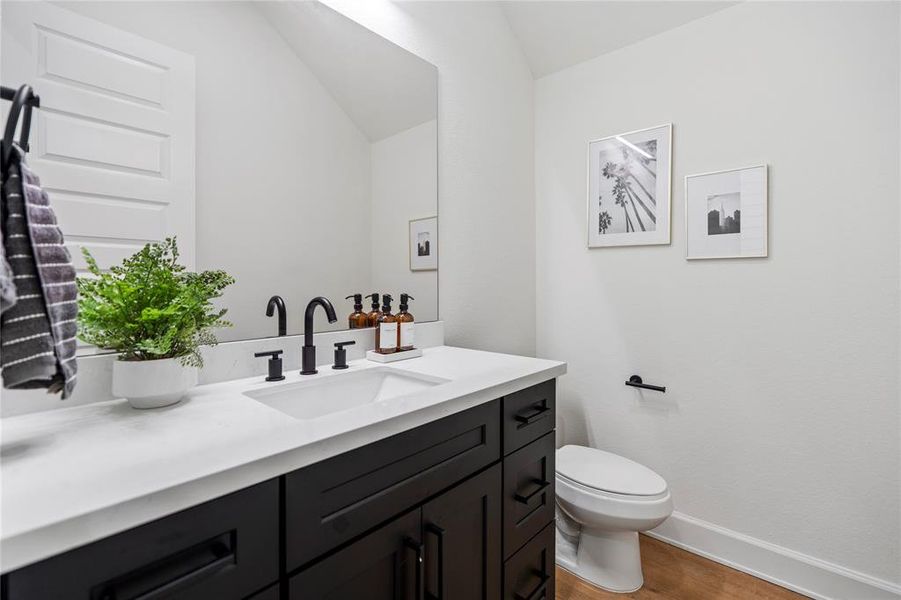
[(798, 572)]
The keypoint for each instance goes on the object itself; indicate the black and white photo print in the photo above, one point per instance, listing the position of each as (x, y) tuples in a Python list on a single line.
[(629, 188), (423, 247), (726, 213), (424, 244)]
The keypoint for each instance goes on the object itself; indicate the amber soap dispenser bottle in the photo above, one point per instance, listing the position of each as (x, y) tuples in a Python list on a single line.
[(405, 325), (357, 319), (372, 317), (386, 331)]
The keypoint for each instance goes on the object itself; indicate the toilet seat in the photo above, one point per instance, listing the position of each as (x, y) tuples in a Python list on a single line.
[(597, 493), (601, 471)]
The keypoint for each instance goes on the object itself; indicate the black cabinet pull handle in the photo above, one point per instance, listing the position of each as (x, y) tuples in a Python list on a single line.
[(529, 418), (417, 547), (438, 532), (538, 592), (157, 581), (526, 498)]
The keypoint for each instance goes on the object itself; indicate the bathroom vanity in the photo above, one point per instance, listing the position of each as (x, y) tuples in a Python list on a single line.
[(443, 490)]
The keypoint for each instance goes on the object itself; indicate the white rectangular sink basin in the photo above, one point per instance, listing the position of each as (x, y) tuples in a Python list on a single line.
[(326, 395)]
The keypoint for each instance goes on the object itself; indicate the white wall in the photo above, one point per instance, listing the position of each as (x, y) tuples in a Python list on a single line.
[(280, 167), (485, 160), (404, 187), (781, 418)]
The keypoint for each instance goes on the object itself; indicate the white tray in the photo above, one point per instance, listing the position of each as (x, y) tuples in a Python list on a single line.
[(394, 357)]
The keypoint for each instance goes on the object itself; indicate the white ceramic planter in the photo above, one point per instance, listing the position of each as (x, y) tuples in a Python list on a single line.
[(152, 383)]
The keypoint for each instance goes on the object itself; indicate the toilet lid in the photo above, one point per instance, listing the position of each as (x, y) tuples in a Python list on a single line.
[(608, 472)]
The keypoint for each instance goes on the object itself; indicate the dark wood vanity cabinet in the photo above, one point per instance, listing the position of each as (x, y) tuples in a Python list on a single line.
[(457, 509)]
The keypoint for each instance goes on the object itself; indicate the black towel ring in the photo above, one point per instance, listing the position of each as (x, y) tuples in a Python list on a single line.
[(25, 98)]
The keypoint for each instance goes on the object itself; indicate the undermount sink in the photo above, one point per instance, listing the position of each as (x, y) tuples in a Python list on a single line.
[(326, 395)]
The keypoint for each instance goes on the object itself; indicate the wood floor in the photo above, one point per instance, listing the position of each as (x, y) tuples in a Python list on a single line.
[(674, 574)]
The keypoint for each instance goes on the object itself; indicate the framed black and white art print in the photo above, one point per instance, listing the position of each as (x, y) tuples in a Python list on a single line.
[(726, 213), (424, 244), (629, 188)]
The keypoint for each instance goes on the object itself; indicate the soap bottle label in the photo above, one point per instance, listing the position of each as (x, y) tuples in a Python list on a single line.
[(407, 335), (387, 336)]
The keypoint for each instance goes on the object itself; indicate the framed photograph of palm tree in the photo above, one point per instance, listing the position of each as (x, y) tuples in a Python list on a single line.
[(726, 213), (629, 188)]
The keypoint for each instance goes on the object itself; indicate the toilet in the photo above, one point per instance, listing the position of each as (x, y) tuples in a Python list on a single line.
[(603, 501)]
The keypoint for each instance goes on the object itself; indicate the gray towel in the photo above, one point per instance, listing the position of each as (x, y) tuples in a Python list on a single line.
[(38, 333)]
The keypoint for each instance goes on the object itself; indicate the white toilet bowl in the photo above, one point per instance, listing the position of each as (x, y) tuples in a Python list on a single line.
[(612, 498)]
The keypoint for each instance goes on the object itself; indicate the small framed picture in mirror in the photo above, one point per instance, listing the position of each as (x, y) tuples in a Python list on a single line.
[(726, 213), (424, 244)]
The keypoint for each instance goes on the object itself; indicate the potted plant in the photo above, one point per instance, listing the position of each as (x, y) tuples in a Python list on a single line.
[(156, 315)]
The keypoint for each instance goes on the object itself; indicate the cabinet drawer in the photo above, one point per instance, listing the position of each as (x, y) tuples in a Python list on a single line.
[(331, 502), (528, 492), (226, 548), (528, 415), (529, 574)]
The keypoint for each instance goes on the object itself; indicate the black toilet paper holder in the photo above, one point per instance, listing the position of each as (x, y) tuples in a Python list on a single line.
[(635, 381)]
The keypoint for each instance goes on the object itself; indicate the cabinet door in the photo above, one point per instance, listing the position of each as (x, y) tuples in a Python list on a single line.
[(384, 565), (462, 535)]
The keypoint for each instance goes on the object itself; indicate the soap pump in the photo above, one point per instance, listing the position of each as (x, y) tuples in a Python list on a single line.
[(357, 319), (386, 330), (405, 325), (372, 317)]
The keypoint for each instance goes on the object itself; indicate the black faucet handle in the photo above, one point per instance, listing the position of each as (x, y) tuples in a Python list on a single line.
[(275, 364), (341, 354)]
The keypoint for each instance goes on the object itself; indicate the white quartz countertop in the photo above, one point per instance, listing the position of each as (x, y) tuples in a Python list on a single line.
[(72, 476)]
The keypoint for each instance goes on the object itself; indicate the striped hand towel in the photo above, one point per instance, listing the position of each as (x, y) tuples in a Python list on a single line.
[(38, 333)]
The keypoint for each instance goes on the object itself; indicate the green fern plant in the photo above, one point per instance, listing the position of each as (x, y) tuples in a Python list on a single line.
[(150, 307)]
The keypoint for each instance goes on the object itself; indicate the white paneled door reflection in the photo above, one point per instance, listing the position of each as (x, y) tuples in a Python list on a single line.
[(113, 141)]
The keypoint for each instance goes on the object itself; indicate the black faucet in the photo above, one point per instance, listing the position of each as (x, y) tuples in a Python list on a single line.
[(278, 302), (308, 352)]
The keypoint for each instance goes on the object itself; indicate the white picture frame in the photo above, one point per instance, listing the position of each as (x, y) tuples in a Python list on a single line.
[(726, 213), (629, 188), (424, 244)]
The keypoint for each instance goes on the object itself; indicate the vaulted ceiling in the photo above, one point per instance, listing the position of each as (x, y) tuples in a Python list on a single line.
[(555, 35), (354, 64)]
